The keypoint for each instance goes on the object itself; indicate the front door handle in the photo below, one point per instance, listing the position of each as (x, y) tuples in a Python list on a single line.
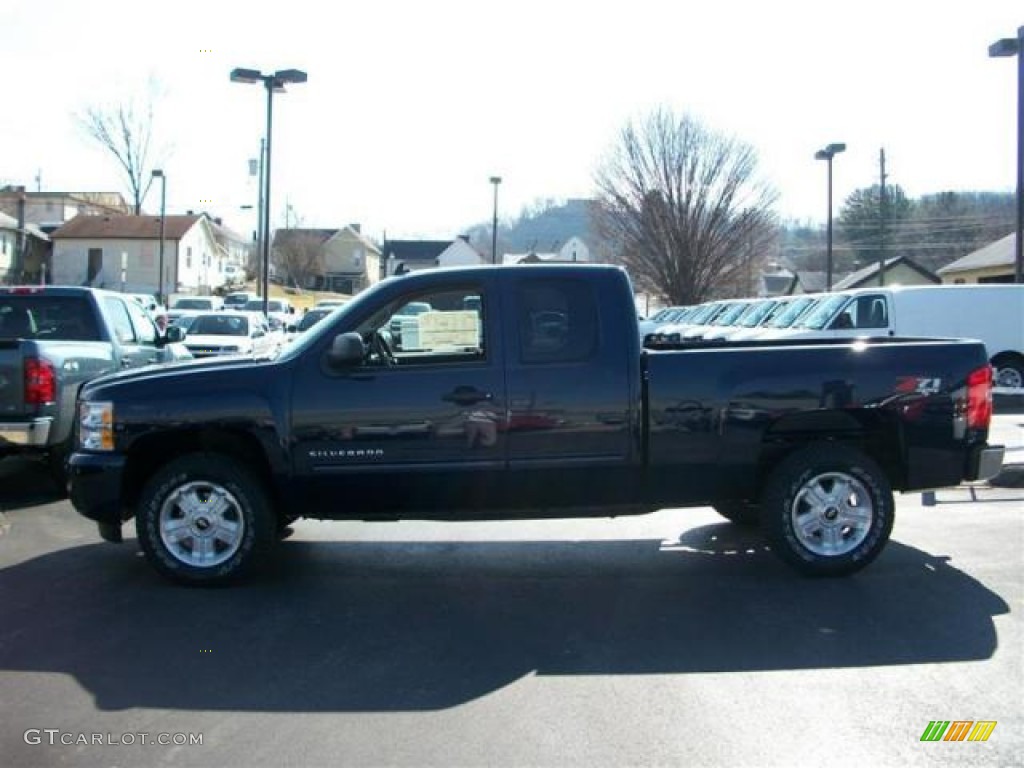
[(467, 396)]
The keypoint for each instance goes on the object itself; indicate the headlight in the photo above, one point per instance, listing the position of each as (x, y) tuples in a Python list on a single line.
[(230, 350), (96, 426)]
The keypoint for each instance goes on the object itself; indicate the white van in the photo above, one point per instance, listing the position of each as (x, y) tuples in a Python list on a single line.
[(992, 313)]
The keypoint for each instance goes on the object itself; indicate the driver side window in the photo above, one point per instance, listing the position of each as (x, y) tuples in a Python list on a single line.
[(438, 327)]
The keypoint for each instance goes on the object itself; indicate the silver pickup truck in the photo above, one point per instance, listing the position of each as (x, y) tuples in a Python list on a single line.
[(53, 340)]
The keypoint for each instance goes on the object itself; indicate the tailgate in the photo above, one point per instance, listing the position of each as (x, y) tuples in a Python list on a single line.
[(12, 378)]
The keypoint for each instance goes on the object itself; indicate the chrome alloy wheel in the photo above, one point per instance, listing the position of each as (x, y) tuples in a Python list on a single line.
[(832, 514), (201, 524)]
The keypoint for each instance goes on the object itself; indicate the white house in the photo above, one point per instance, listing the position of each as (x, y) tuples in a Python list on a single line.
[(411, 255), (123, 253), (574, 250)]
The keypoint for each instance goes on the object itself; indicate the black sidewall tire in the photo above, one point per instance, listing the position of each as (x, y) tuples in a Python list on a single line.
[(260, 526), (787, 481)]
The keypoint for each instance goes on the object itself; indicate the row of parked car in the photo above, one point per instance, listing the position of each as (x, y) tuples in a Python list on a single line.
[(213, 326), (993, 314)]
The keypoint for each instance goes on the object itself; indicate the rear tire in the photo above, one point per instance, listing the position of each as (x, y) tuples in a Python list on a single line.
[(205, 519), (827, 510)]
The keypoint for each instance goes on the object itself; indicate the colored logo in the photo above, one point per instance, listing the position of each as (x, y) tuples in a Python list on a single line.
[(958, 730)]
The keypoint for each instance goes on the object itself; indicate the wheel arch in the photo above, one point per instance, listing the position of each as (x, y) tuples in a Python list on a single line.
[(151, 452), (875, 433)]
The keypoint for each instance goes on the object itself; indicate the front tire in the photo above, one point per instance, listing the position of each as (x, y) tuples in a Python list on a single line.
[(828, 510), (204, 519)]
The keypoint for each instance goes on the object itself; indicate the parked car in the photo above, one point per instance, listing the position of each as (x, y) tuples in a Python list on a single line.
[(215, 334), (198, 303), (238, 299), (543, 404), (234, 274), (308, 320), (279, 311), (993, 314), (54, 339)]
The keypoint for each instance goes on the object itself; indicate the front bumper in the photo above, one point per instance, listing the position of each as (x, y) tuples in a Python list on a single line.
[(984, 462), (31, 434), (96, 482)]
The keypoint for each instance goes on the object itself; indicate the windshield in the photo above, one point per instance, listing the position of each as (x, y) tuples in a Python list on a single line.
[(817, 318), (311, 318), (219, 325), (729, 315), (193, 304), (753, 317), (791, 311)]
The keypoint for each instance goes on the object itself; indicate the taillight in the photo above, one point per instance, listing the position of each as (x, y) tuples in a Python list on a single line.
[(979, 398), (40, 381)]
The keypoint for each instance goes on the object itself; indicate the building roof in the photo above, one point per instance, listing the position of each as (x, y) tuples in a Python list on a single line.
[(85, 227), (869, 274), (1001, 253), (415, 250), (284, 236), (9, 222)]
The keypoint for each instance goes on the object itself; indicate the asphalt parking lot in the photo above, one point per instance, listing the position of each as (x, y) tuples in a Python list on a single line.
[(668, 639)]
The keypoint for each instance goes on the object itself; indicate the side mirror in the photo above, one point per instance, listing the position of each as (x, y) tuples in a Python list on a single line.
[(174, 334), (346, 349)]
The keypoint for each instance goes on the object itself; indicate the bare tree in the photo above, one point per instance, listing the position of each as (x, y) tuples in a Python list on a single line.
[(126, 131), (684, 209), (300, 255)]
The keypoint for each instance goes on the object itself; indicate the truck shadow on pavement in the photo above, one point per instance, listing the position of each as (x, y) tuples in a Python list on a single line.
[(422, 625)]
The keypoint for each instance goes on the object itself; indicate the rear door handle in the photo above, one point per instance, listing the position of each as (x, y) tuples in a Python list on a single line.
[(467, 396)]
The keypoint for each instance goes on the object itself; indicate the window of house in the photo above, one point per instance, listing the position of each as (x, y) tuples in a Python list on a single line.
[(557, 321), (188, 257)]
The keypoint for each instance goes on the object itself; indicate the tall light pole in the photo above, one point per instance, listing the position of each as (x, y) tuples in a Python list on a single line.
[(495, 180), (159, 174), (274, 82), (1010, 46), (827, 154)]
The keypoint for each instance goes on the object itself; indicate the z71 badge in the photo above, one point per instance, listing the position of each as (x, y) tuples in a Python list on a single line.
[(918, 385)]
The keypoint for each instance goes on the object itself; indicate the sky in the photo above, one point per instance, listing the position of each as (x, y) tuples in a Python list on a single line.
[(411, 106)]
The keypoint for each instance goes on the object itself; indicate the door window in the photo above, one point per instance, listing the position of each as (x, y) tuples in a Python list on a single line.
[(145, 329), (120, 321), (557, 321)]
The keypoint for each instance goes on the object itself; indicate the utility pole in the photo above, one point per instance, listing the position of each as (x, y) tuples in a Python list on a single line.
[(881, 218)]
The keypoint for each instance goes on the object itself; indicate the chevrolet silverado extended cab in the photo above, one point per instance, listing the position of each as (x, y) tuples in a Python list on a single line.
[(52, 340), (523, 392)]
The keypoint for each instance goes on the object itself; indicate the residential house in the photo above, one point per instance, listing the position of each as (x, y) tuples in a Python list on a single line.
[(339, 260), (573, 251), (124, 252), (233, 247), (50, 210), (401, 256), (30, 265), (995, 263), (899, 270)]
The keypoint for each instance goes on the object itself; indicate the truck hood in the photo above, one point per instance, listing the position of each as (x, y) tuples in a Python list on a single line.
[(171, 375)]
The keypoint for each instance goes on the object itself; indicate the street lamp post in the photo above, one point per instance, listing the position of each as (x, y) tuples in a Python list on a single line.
[(159, 174), (274, 82), (1010, 46), (827, 154), (495, 180)]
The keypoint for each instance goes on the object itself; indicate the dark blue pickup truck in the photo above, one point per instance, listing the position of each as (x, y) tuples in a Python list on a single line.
[(523, 393)]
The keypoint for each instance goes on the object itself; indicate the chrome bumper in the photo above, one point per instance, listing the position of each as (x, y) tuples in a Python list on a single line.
[(985, 462), (34, 434)]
